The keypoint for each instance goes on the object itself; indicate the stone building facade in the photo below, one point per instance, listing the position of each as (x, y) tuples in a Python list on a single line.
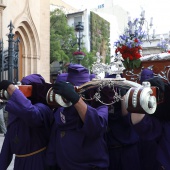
[(31, 21)]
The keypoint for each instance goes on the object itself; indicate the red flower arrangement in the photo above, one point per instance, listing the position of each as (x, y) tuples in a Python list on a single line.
[(131, 56), (129, 44), (131, 53), (79, 53)]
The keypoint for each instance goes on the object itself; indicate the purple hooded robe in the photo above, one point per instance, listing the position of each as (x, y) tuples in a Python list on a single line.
[(27, 132), (62, 77), (150, 128), (146, 74), (77, 145), (122, 140)]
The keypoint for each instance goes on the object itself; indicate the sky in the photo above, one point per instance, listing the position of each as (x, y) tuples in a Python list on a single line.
[(158, 10)]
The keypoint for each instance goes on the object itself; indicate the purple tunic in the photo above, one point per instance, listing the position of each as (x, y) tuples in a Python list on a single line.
[(28, 131), (122, 142), (77, 145), (151, 128)]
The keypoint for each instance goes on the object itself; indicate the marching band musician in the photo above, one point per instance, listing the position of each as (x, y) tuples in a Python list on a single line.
[(78, 136), (28, 128)]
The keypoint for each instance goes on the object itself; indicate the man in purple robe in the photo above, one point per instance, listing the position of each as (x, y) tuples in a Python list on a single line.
[(122, 140), (28, 128), (146, 73), (62, 77), (78, 136), (147, 149), (156, 127)]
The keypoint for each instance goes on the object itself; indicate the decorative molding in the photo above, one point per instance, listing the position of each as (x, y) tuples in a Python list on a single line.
[(2, 7)]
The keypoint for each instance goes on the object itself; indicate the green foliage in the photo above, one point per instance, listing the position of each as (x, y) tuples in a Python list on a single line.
[(107, 59), (61, 37), (131, 64), (89, 59), (100, 33)]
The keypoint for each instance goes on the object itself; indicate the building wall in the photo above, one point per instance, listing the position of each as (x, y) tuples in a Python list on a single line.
[(59, 4), (85, 14), (116, 11), (31, 20), (119, 21), (86, 33), (115, 15)]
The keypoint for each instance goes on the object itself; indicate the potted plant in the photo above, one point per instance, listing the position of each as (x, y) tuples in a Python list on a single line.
[(79, 55)]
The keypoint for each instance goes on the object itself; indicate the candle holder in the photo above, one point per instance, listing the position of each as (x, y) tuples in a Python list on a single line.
[(141, 24), (147, 26), (164, 43)]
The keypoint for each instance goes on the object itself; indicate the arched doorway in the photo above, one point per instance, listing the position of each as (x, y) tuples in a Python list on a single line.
[(28, 49)]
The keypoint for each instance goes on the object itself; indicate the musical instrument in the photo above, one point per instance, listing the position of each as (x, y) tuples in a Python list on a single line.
[(139, 98)]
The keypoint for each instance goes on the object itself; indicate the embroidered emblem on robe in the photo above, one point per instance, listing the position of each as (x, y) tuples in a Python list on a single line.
[(62, 133), (62, 118)]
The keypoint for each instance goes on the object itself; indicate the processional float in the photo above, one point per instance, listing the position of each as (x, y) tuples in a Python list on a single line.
[(140, 98)]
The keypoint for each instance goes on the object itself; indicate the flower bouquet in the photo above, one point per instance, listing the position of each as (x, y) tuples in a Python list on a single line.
[(129, 44), (164, 44), (131, 56)]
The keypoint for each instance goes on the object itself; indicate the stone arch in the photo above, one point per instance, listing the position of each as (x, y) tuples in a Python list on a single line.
[(29, 46)]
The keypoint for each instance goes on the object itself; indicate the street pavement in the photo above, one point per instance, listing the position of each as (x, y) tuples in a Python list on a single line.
[(1, 141)]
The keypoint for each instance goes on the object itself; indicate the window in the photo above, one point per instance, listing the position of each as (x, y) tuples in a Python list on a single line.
[(77, 20)]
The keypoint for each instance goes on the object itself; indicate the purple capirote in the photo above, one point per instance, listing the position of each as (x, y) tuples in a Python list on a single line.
[(146, 74), (92, 76), (33, 78), (78, 74), (62, 77)]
